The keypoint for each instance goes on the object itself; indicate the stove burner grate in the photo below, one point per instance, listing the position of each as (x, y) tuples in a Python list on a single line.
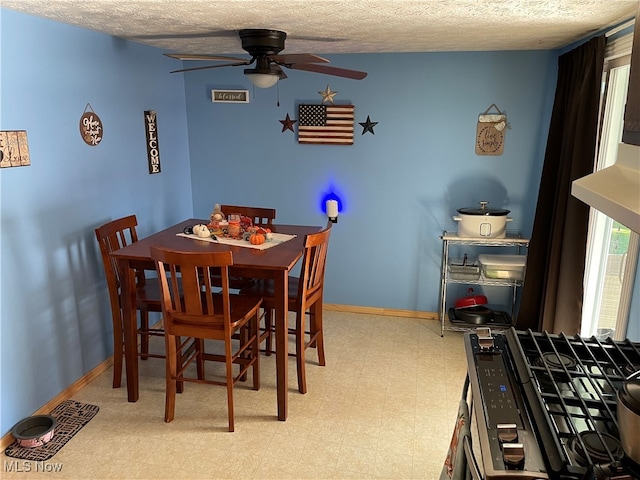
[(589, 449), (575, 382), (555, 367), (557, 361)]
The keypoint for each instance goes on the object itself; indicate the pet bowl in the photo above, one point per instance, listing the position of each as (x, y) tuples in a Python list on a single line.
[(34, 431)]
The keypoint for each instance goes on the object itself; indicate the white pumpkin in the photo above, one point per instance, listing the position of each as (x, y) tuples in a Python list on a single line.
[(201, 231)]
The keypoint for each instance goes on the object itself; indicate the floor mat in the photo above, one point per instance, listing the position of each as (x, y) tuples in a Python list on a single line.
[(71, 417)]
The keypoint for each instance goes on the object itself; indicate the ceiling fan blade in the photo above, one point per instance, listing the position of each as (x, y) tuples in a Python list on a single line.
[(213, 58), (281, 74), (211, 66), (288, 59), (328, 70)]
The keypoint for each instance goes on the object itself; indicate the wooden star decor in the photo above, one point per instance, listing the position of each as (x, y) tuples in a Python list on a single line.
[(368, 126), (327, 95), (287, 123)]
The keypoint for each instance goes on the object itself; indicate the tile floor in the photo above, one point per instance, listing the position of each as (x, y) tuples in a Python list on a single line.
[(382, 408)]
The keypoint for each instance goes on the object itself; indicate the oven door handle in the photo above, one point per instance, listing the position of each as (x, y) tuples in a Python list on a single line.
[(472, 465)]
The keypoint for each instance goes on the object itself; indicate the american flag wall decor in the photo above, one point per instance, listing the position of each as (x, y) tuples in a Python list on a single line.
[(326, 124)]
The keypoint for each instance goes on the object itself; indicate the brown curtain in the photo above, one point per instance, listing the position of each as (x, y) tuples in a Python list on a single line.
[(552, 293)]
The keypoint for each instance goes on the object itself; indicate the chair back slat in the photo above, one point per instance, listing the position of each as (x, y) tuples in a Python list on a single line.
[(262, 217), (314, 261), (197, 302), (113, 236)]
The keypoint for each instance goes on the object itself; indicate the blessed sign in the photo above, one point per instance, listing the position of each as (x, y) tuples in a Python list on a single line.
[(153, 150), (230, 96)]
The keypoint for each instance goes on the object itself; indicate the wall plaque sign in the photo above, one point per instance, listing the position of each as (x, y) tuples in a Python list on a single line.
[(14, 150), (90, 127), (490, 132), (230, 96), (153, 150)]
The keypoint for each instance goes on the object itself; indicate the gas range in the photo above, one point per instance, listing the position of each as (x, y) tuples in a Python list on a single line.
[(545, 405)]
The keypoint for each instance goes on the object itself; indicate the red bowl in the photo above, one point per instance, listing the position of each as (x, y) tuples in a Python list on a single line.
[(471, 300)]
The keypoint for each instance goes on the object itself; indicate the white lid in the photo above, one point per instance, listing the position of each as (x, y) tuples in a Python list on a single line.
[(502, 260)]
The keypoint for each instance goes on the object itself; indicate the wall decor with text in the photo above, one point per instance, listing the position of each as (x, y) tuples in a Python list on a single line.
[(490, 132), (90, 127), (153, 149), (230, 96), (14, 149)]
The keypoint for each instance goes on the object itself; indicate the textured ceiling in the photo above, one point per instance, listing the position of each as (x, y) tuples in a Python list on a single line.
[(341, 26)]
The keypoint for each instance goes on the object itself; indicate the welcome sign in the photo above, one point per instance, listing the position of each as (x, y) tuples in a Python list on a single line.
[(153, 150)]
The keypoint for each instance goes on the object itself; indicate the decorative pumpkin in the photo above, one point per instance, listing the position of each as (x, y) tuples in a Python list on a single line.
[(201, 231), (256, 239)]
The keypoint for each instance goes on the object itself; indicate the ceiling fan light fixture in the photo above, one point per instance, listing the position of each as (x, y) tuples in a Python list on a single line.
[(261, 78), (265, 46)]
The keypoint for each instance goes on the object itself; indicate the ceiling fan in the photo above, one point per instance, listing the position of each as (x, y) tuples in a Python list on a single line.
[(265, 46)]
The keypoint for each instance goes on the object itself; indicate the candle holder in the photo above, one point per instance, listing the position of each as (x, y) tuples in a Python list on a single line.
[(332, 210)]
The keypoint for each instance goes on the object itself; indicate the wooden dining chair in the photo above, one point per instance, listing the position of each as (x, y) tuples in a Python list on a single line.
[(204, 313), (112, 236), (260, 216), (305, 299)]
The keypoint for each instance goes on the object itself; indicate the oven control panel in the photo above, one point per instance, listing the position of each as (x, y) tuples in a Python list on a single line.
[(507, 440), (496, 390)]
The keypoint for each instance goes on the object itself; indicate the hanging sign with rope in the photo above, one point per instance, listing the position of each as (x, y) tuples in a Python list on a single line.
[(490, 132), (90, 127)]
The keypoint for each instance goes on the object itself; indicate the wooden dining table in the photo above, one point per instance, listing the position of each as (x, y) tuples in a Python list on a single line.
[(273, 263)]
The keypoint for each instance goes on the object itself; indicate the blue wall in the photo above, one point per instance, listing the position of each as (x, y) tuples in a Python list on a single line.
[(55, 316), (400, 187)]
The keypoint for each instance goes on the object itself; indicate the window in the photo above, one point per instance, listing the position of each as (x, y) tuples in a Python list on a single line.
[(612, 248)]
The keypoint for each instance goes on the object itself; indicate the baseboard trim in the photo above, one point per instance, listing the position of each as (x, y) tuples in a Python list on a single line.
[(66, 394), (390, 312)]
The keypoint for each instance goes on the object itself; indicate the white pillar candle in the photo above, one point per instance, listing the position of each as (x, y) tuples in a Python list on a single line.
[(332, 208)]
